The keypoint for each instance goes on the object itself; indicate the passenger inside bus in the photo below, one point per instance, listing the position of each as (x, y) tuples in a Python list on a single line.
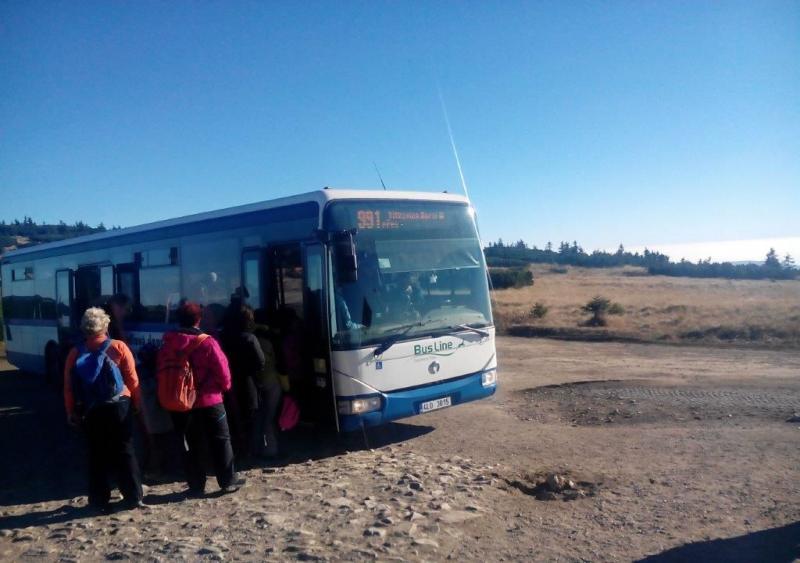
[(118, 308)]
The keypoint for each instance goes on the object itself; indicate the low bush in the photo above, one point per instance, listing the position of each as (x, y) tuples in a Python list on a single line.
[(599, 308), (510, 277), (539, 310), (616, 309)]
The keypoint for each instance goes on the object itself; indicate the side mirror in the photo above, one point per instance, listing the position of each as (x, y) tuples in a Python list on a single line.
[(344, 246)]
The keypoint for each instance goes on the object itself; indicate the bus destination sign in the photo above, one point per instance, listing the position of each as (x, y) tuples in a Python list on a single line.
[(369, 219)]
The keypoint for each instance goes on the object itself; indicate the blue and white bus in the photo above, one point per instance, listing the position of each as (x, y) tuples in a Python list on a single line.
[(390, 289)]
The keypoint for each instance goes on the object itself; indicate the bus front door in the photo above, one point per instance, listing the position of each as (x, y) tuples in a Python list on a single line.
[(296, 302), (316, 307)]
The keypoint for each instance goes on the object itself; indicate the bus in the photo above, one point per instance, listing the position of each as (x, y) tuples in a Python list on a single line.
[(384, 293)]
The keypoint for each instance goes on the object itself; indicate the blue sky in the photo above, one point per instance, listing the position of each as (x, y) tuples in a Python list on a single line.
[(605, 122)]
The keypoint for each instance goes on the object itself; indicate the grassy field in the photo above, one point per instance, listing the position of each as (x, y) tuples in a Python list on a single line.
[(657, 308)]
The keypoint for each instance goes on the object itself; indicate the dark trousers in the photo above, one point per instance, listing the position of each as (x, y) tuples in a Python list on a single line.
[(202, 428), (265, 437), (109, 430)]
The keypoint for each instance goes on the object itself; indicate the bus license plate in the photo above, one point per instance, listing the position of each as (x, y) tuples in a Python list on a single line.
[(435, 404)]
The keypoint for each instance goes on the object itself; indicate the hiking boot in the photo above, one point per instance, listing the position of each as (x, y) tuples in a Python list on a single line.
[(137, 504), (238, 483), (195, 493)]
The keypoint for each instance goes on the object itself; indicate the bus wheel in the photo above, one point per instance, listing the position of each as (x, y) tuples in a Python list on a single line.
[(52, 364)]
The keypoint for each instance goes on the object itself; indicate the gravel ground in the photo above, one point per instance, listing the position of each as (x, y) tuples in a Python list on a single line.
[(675, 453)]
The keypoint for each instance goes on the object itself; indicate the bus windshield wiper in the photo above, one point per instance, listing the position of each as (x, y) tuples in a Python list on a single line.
[(394, 338), (483, 333)]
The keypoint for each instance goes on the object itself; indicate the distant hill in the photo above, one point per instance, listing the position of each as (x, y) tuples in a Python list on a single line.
[(520, 255), (18, 234)]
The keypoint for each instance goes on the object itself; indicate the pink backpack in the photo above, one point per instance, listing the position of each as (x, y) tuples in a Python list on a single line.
[(290, 413)]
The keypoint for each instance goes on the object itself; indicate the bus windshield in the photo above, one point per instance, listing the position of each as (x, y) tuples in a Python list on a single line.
[(420, 272)]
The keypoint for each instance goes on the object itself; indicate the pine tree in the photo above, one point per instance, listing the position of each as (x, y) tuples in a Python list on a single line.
[(772, 259)]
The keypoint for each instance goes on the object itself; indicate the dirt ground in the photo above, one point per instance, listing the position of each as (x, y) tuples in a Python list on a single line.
[(680, 454)]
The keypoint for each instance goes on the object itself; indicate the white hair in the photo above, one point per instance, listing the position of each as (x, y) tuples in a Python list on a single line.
[(95, 321)]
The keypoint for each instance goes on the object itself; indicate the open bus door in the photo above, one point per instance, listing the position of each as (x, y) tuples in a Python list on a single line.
[(64, 302), (297, 303), (317, 327), (94, 285)]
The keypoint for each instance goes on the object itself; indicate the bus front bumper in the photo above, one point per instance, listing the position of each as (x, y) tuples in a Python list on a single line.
[(409, 402)]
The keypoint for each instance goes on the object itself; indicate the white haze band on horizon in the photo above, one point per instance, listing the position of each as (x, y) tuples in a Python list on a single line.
[(746, 250)]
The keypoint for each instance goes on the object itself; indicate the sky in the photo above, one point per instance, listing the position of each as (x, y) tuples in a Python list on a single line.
[(741, 250), (654, 124)]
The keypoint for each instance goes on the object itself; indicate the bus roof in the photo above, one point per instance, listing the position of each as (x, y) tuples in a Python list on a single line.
[(320, 197)]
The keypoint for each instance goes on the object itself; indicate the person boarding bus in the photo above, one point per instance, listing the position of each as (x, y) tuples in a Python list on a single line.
[(100, 385)]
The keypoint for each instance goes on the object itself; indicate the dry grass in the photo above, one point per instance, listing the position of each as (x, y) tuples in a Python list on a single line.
[(657, 308)]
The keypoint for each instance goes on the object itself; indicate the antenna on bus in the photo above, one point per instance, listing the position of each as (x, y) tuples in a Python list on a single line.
[(379, 175), (452, 139)]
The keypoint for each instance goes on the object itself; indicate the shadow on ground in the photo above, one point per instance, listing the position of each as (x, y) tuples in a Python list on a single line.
[(776, 545), (45, 460), (60, 515), (304, 443)]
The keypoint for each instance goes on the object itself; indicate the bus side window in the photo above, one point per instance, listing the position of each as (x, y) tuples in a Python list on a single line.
[(251, 276), (159, 293), (106, 281)]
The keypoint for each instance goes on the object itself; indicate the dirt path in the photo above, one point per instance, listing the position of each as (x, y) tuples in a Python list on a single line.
[(684, 453)]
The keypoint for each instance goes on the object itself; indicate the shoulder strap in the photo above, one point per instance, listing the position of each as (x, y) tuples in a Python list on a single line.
[(102, 352), (195, 344)]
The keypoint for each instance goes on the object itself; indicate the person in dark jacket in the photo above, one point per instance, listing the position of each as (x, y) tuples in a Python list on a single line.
[(247, 362), (206, 423), (156, 423), (118, 307), (268, 383)]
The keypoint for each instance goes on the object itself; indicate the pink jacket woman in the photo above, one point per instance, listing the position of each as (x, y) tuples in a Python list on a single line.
[(212, 376)]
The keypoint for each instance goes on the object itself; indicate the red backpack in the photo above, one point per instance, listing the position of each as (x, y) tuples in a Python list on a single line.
[(176, 387)]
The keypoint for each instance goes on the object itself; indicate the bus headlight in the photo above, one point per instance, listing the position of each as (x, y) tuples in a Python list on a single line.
[(360, 406), (489, 378)]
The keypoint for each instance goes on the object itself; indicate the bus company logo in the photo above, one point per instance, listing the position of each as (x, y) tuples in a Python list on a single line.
[(434, 368), (435, 348)]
